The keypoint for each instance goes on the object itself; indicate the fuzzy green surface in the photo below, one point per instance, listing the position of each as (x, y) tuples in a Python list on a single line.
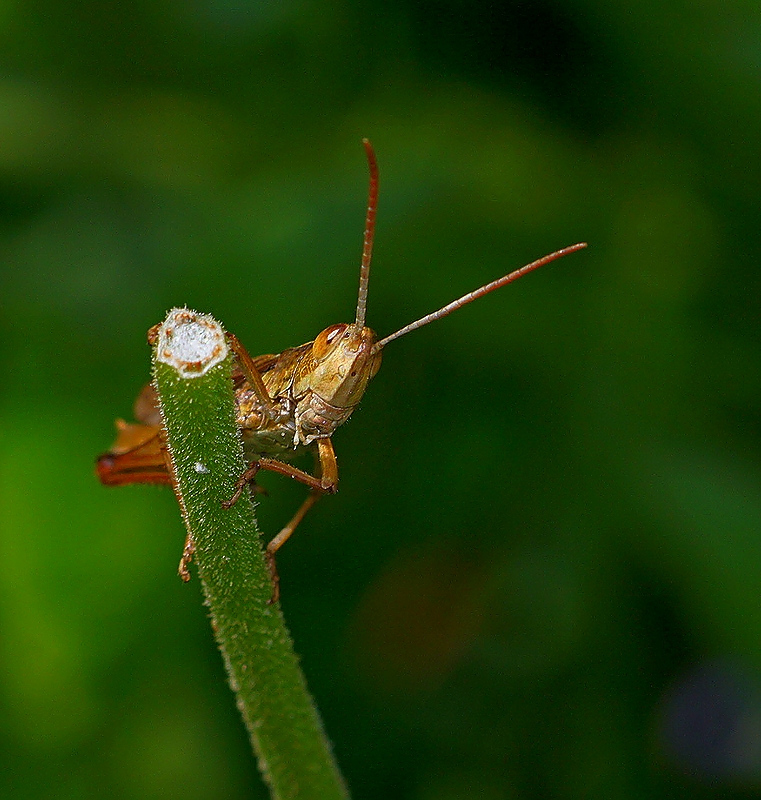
[(206, 450)]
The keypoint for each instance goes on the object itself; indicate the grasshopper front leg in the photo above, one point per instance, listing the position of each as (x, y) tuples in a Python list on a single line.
[(326, 482), (327, 468)]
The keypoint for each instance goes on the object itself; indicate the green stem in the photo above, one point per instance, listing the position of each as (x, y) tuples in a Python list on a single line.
[(192, 370)]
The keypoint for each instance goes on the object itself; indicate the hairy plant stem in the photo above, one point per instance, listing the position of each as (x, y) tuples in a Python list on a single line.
[(192, 372)]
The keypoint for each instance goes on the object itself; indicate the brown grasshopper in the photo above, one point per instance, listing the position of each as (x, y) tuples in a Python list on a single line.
[(290, 402)]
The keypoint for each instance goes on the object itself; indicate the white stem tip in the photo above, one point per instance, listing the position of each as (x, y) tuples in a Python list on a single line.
[(190, 342)]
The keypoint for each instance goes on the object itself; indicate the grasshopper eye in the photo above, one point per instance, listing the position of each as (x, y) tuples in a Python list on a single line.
[(325, 341)]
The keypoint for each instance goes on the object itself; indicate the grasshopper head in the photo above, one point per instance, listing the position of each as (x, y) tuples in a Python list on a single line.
[(342, 363)]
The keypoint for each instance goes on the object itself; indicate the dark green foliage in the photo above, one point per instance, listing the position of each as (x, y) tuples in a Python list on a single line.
[(547, 529)]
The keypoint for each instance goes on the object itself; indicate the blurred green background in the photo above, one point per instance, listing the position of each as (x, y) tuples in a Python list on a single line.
[(541, 575)]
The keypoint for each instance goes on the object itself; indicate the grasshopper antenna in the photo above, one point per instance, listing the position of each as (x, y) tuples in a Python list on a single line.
[(471, 296), (367, 247)]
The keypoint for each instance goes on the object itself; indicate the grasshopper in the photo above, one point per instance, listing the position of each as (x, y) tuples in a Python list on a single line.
[(290, 402)]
